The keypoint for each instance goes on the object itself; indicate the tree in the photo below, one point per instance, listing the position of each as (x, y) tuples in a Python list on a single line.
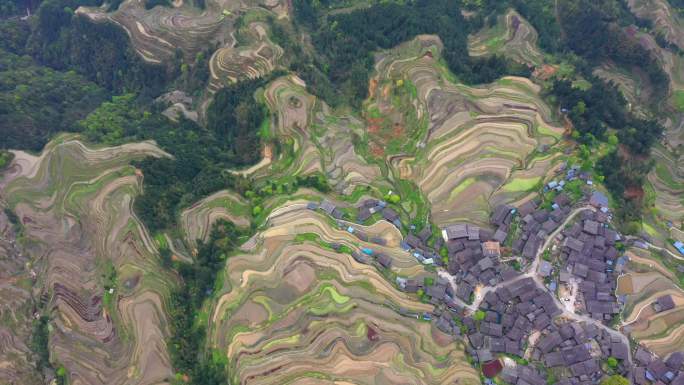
[(5, 159), (112, 121), (612, 362), (36, 102), (615, 380), (479, 315)]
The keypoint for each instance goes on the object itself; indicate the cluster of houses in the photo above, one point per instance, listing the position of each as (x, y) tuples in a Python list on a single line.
[(474, 258), (372, 206), (650, 369), (538, 223), (590, 260), (518, 311), (511, 313)]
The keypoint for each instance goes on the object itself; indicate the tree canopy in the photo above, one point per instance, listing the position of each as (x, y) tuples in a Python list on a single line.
[(615, 380)]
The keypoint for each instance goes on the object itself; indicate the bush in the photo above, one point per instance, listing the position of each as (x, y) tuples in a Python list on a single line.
[(615, 380), (5, 159), (256, 210)]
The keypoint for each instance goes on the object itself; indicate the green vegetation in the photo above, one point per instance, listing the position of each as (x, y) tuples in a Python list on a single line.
[(38, 102), (99, 51), (109, 284), (679, 100), (6, 158), (345, 42), (615, 380), (592, 112), (612, 362), (201, 155), (112, 121), (479, 315), (186, 344), (520, 184), (40, 338)]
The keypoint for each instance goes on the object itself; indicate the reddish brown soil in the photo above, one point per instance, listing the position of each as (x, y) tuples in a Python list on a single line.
[(545, 72), (374, 125), (398, 130), (634, 192), (372, 335), (372, 86), (376, 150)]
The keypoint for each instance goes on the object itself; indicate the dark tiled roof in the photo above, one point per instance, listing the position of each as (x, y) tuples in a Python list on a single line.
[(665, 302), (457, 231)]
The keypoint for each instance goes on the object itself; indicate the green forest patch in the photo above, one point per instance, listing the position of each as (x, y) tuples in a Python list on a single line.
[(678, 98)]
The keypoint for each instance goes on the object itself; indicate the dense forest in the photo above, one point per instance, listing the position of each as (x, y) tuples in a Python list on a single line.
[(36, 102), (58, 68), (99, 51), (9, 8), (186, 345), (201, 155), (346, 42), (594, 31)]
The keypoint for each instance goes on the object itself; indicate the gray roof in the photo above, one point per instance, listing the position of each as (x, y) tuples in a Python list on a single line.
[(598, 199), (665, 302), (473, 233), (389, 214), (591, 227), (573, 244), (545, 268), (327, 206), (500, 235), (457, 231), (384, 260)]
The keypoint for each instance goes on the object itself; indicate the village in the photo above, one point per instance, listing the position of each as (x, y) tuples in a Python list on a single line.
[(533, 297)]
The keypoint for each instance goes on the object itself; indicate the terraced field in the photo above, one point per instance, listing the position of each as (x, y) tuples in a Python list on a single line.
[(668, 180), (97, 273), (197, 220), (16, 309), (630, 84), (512, 36), (667, 175), (478, 146), (313, 139), (157, 33), (293, 306), (663, 17), (648, 280), (294, 311), (258, 58)]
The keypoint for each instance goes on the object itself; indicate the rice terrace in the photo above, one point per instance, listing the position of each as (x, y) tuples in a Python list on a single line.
[(341, 192)]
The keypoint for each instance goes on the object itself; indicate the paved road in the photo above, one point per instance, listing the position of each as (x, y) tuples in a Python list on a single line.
[(652, 246), (566, 313), (531, 272), (584, 318)]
